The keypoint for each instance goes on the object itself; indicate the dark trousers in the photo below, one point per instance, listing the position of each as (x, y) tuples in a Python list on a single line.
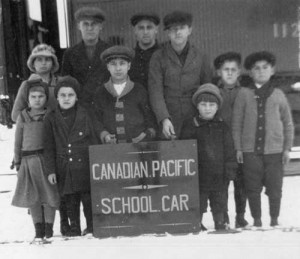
[(263, 171), (72, 202), (217, 202)]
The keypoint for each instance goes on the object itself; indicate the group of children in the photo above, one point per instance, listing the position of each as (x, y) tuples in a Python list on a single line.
[(244, 134)]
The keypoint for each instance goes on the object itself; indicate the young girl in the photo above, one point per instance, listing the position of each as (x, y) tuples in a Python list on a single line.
[(43, 63), (33, 190), (69, 130)]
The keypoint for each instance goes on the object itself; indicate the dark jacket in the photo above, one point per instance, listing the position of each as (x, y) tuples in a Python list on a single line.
[(216, 154), (139, 70), (90, 74), (135, 113), (66, 153), (171, 84)]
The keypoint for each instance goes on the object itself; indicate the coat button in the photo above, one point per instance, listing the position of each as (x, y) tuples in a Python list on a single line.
[(69, 150), (69, 145), (71, 159), (79, 160), (80, 133)]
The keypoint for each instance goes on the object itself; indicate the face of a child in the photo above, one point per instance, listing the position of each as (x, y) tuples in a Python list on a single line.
[(66, 97), (207, 110), (43, 65), (37, 100), (179, 34), (261, 72), (90, 29), (118, 69), (229, 72), (145, 32)]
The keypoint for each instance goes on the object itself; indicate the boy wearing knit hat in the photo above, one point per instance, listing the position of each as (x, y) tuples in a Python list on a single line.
[(43, 63), (216, 154), (175, 70), (68, 131), (82, 60), (263, 132), (228, 68), (122, 105), (145, 27)]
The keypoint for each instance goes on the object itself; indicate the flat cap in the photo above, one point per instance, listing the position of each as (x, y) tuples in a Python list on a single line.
[(228, 56), (177, 18), (117, 51), (89, 12), (67, 81), (207, 88), (145, 16), (259, 56)]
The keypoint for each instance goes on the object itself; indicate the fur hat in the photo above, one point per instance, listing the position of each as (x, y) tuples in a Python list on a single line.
[(177, 18), (259, 56), (144, 16), (37, 84), (207, 88), (89, 12), (117, 51), (228, 56), (67, 81), (43, 50)]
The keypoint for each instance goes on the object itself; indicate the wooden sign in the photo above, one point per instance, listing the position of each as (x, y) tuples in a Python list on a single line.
[(141, 188)]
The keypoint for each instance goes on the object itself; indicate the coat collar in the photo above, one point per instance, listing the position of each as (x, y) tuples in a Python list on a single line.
[(110, 88), (198, 122)]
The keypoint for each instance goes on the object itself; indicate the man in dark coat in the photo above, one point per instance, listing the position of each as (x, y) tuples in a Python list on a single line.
[(82, 61), (145, 26), (175, 72)]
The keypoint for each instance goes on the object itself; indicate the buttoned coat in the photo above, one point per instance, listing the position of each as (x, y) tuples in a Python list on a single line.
[(171, 84), (66, 153), (90, 74)]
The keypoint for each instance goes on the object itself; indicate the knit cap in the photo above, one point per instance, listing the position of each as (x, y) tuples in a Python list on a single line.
[(43, 50), (207, 88), (67, 81)]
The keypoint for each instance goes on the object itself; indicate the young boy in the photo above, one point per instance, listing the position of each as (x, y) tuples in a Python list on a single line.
[(175, 71), (216, 154), (69, 130), (122, 105), (263, 130), (228, 67)]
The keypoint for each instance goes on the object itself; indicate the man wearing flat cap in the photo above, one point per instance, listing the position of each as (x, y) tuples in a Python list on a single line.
[(82, 61), (175, 72), (145, 26)]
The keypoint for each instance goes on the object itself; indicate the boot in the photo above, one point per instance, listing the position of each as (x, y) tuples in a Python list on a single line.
[(257, 222), (274, 222), (39, 230), (64, 220), (219, 225), (240, 221), (49, 230)]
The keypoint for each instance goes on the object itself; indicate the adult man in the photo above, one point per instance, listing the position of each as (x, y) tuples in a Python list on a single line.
[(145, 27), (82, 61), (175, 72)]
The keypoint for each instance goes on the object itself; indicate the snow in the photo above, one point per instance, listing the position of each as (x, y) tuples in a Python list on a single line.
[(16, 225)]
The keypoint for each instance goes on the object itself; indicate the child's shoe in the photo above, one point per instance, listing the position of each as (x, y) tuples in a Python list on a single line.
[(257, 222), (240, 221), (274, 222), (39, 230), (48, 230)]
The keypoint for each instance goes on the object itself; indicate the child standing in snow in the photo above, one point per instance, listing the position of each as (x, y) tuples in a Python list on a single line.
[(33, 189), (216, 154)]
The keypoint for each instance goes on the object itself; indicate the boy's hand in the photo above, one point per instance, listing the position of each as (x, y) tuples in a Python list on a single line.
[(168, 128), (285, 157), (239, 157), (110, 139), (52, 178)]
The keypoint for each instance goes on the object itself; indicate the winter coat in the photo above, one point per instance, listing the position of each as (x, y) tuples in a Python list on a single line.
[(279, 129), (33, 187), (90, 74), (134, 113), (21, 101), (216, 154), (139, 69), (66, 153), (171, 84)]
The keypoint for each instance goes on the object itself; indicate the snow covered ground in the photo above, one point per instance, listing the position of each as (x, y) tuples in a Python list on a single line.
[(16, 231)]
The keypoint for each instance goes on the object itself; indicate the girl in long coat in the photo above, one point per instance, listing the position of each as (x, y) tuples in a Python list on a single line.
[(33, 190), (69, 130)]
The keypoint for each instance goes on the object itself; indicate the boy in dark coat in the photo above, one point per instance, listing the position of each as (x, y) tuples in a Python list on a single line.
[(69, 130), (216, 155), (263, 132), (228, 67), (122, 105)]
